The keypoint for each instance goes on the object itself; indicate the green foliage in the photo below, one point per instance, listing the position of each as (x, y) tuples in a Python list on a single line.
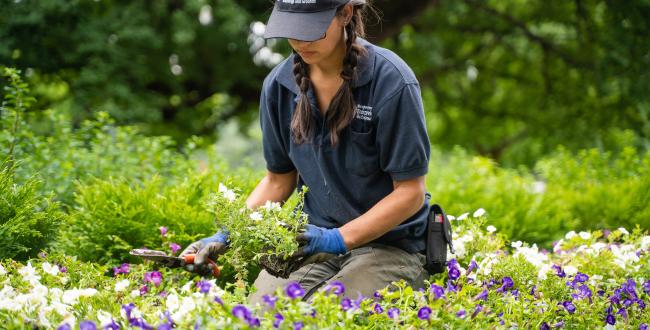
[(113, 216), (513, 79), (587, 190), (28, 221)]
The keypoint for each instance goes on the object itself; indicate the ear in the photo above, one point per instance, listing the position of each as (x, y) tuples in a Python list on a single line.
[(347, 14)]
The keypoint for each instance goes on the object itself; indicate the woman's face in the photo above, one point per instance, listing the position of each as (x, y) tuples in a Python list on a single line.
[(313, 52)]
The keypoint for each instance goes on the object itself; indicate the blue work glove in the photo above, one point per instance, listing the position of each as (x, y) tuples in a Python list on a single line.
[(317, 239), (206, 248)]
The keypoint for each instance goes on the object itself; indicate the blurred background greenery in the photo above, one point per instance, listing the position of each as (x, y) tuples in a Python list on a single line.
[(538, 111)]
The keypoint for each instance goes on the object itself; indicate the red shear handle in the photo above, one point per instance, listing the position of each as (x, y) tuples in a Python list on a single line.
[(189, 259)]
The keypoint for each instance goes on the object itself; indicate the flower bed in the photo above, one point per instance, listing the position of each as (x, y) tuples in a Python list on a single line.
[(589, 280)]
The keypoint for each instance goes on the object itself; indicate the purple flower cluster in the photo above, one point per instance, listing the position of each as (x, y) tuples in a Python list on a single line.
[(294, 290), (453, 269), (174, 247), (243, 313), (137, 322), (204, 286), (154, 277), (122, 269), (336, 288)]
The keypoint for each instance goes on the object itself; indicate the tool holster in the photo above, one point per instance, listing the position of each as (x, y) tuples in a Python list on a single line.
[(438, 238)]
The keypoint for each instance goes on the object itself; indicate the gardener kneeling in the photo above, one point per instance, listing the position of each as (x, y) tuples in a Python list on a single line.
[(344, 118)]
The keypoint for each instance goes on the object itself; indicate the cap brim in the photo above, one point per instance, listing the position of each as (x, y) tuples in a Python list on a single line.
[(299, 26)]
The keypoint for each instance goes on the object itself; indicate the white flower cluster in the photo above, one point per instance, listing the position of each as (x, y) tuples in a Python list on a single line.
[(227, 193)]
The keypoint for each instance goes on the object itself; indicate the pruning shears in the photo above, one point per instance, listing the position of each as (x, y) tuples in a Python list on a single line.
[(171, 261)]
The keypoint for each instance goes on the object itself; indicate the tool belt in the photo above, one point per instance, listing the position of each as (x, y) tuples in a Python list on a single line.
[(438, 238)]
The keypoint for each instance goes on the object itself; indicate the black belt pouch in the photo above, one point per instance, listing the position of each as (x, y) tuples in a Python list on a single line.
[(438, 238)]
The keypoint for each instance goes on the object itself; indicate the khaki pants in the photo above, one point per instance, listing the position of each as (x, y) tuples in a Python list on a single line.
[(362, 270)]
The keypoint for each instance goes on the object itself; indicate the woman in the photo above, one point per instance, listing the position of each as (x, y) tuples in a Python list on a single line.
[(345, 118)]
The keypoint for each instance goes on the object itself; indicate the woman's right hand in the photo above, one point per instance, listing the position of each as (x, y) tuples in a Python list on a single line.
[(208, 248)]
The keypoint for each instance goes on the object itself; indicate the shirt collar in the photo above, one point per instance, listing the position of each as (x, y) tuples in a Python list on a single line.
[(364, 69)]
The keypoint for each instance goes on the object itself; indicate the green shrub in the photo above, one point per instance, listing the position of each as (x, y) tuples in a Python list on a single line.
[(28, 222)]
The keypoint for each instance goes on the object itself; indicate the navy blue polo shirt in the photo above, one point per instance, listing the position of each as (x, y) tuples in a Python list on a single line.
[(387, 140)]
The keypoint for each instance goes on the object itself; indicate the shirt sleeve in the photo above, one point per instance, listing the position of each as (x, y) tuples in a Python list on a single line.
[(402, 138), (276, 151)]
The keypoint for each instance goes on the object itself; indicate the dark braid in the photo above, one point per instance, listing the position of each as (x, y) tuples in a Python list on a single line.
[(342, 107), (302, 123)]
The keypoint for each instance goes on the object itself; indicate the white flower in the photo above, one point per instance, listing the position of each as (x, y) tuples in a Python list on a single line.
[(570, 270), (50, 269), (227, 193), (272, 206), (462, 216), (645, 242), (122, 285), (491, 229), (532, 255), (29, 274), (104, 318), (516, 244), (172, 302), (135, 293), (623, 231), (187, 286), (584, 235), (186, 306), (558, 246), (570, 235), (451, 217), (256, 216), (2, 270), (479, 213)]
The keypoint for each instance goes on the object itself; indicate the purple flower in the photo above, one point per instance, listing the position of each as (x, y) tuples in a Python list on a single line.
[(204, 286), (559, 324), (175, 247), (393, 313), (569, 306), (253, 322), (270, 300), (610, 319), (472, 266), (628, 302), (294, 290), (581, 278), (346, 304), (87, 325), (154, 277), (241, 312), (378, 309), (646, 286), (544, 326), (163, 294), (558, 271), (297, 325), (424, 313), (380, 297), (482, 296), (606, 233), (438, 291), (506, 283), (139, 323), (277, 320), (218, 301), (451, 287), (144, 289), (128, 309), (477, 310), (461, 313), (111, 326), (622, 312), (63, 269), (643, 326), (584, 292), (123, 269), (336, 288), (42, 254), (64, 326), (454, 273), (163, 231), (641, 303)]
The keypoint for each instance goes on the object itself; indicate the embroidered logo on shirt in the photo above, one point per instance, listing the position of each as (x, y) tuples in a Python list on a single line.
[(364, 112)]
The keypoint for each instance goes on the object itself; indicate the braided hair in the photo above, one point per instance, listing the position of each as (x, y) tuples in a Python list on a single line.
[(342, 107)]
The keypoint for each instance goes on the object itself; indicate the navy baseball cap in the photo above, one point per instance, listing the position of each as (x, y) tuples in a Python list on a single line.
[(305, 20)]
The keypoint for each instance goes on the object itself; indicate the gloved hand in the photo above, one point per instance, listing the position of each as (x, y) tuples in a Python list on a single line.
[(318, 239), (206, 248)]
